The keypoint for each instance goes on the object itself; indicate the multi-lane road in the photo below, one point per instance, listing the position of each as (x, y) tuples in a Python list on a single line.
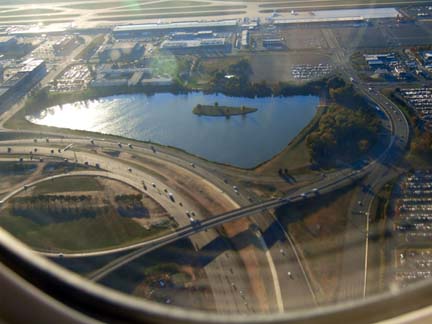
[(377, 169), (289, 280)]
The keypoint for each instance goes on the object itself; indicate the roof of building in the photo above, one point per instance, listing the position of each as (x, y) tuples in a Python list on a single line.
[(176, 25), (193, 43), (30, 64), (375, 62), (317, 20)]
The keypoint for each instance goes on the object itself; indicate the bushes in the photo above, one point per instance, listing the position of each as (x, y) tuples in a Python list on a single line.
[(347, 130), (343, 134)]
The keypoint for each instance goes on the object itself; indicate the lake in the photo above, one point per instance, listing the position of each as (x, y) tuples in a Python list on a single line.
[(165, 118)]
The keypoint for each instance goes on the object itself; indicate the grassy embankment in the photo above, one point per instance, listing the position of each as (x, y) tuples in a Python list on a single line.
[(318, 229), (75, 214), (378, 252)]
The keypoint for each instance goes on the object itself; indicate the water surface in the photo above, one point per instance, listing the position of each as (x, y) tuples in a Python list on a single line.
[(165, 118)]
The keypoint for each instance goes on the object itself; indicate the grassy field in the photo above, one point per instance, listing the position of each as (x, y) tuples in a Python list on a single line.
[(69, 184), (135, 4), (318, 229), (173, 15), (167, 10), (18, 13), (85, 234), (37, 18), (96, 214)]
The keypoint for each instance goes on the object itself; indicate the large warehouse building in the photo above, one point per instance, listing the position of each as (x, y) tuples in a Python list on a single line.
[(146, 29), (28, 74)]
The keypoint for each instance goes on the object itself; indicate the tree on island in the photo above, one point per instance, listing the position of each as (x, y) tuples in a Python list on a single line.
[(242, 108), (216, 104)]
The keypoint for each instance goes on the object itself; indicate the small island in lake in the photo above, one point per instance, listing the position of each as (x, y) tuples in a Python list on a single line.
[(221, 111)]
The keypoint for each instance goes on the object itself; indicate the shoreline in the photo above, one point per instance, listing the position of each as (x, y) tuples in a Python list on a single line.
[(36, 104)]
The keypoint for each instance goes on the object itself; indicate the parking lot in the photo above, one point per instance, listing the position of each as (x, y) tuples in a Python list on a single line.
[(310, 72), (279, 66), (412, 228), (76, 78), (420, 99)]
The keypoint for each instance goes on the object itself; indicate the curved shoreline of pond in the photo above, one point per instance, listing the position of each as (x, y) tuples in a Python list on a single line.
[(279, 115)]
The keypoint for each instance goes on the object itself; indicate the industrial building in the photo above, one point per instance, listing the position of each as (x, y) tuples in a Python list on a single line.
[(245, 38), (28, 73), (275, 43), (129, 31), (194, 44), (378, 61), (427, 59), (121, 51), (316, 20), (189, 35), (65, 45)]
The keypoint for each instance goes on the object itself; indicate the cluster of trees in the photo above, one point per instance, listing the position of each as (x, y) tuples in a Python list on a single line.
[(422, 142), (52, 198), (342, 134), (131, 206), (48, 209), (128, 198), (346, 130)]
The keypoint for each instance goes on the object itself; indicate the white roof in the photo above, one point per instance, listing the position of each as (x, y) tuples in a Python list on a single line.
[(174, 25), (30, 64), (193, 43), (313, 20)]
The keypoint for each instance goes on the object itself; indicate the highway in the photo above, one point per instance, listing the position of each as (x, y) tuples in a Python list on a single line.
[(280, 259), (219, 276), (328, 184), (355, 264)]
